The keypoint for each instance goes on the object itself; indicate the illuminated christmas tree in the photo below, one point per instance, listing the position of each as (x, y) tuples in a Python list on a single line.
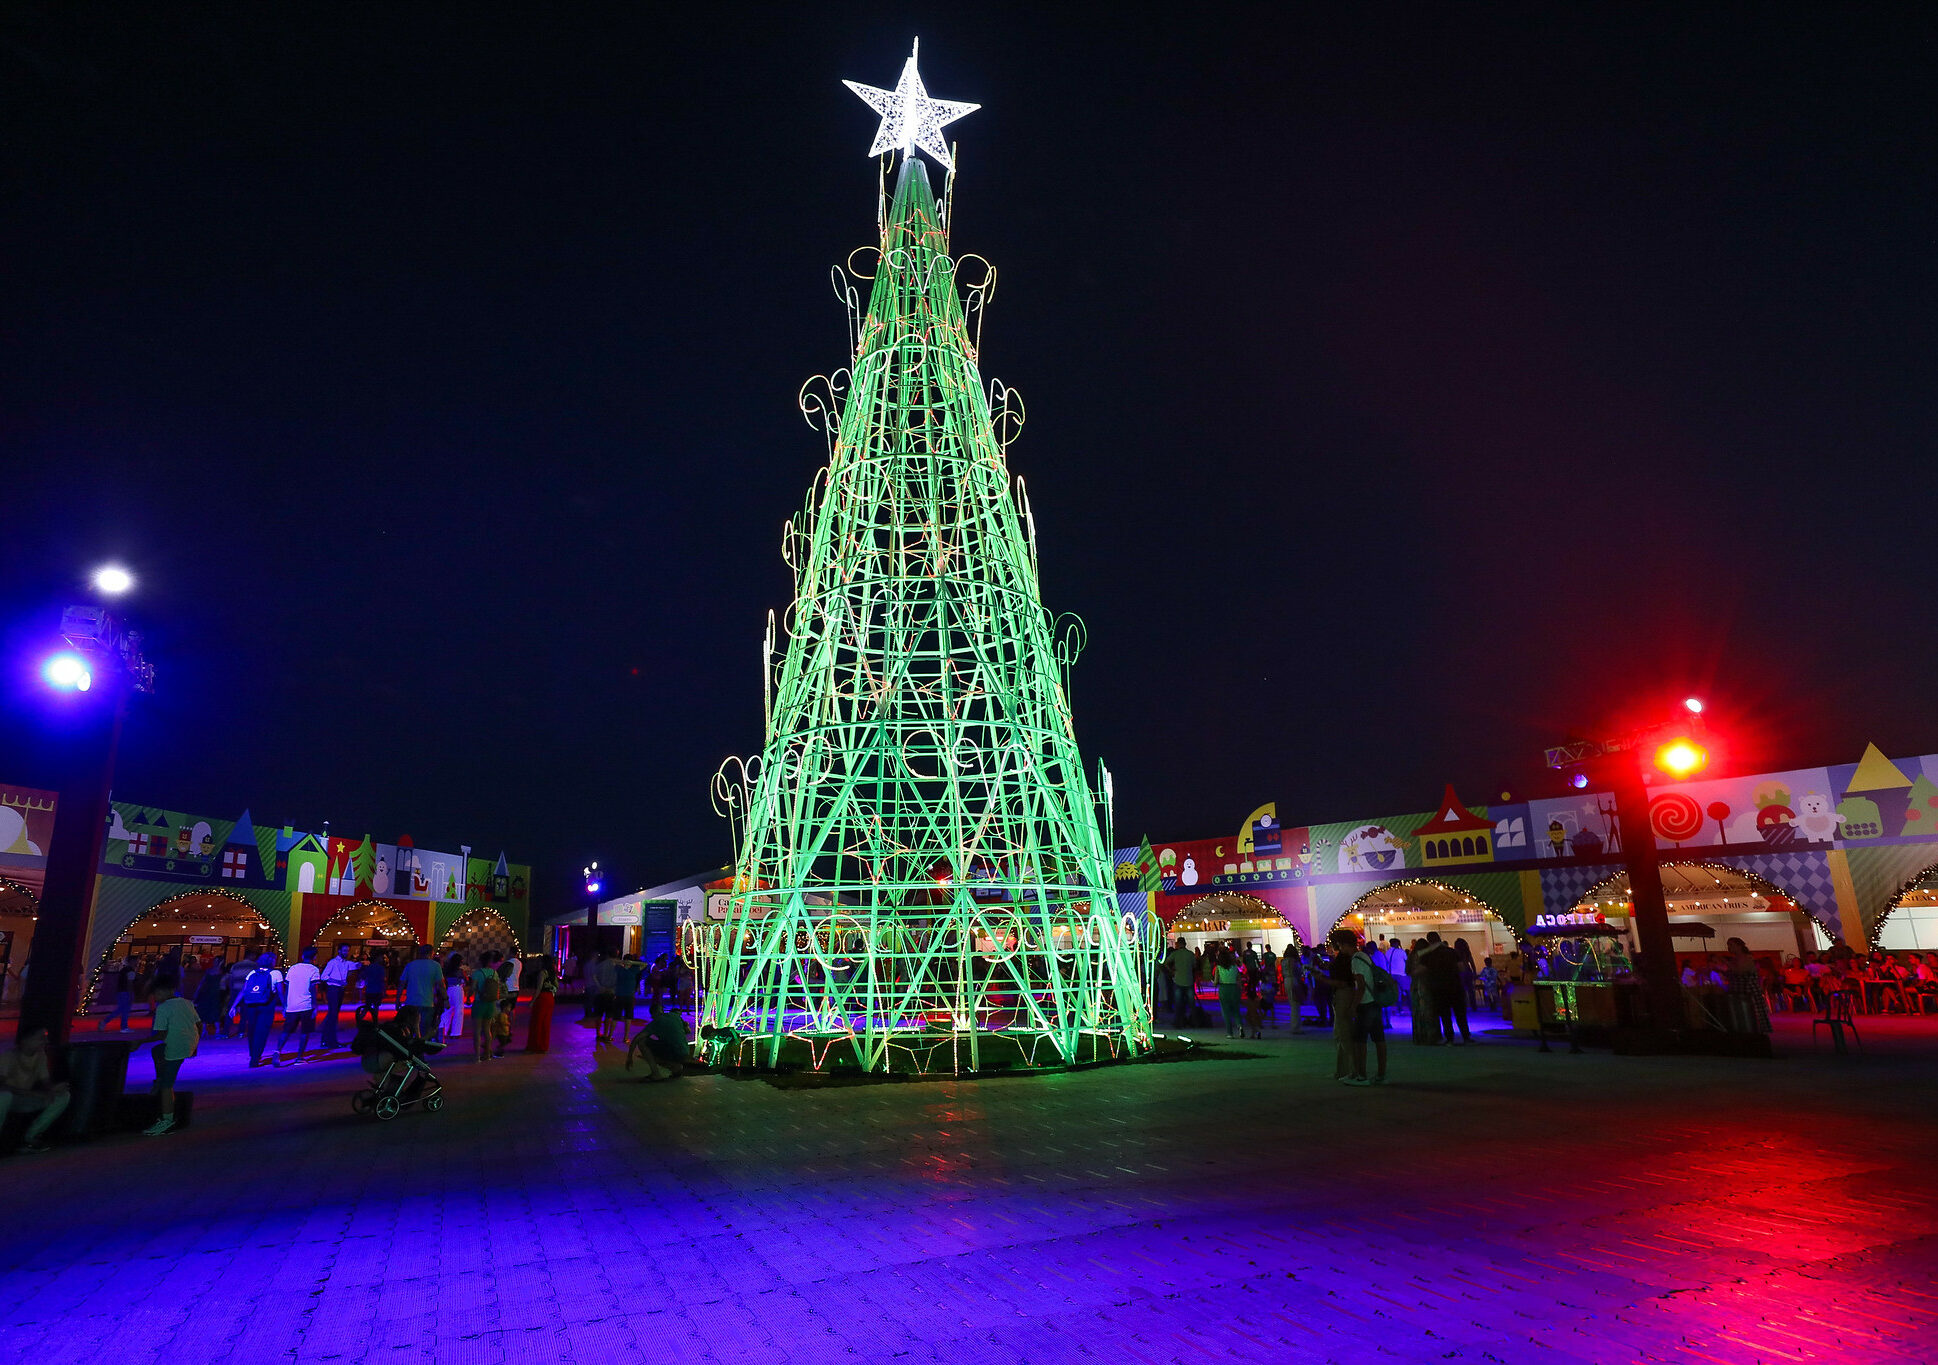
[(922, 881)]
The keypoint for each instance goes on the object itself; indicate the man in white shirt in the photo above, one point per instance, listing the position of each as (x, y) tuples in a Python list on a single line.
[(336, 978), (1395, 964), (299, 1002), (510, 968)]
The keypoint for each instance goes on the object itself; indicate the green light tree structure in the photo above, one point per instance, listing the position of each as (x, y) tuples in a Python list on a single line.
[(923, 879)]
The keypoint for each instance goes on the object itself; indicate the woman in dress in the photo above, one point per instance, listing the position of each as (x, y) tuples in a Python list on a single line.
[(452, 1024), (1426, 1028), (1749, 1010), (545, 985)]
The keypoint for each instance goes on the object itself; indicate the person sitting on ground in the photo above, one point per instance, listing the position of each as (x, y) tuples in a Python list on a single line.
[(27, 1085), (178, 1036), (663, 1044)]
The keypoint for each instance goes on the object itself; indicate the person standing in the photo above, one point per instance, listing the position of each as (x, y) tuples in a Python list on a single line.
[(487, 987), (1441, 968), (299, 1003), (420, 994), (209, 997), (27, 1085), (371, 977), (178, 1036), (1419, 997), (599, 985), (1182, 967), (336, 979), (451, 1026), (1229, 1003), (1343, 994), (1369, 1019), (1395, 963), (1749, 1010), (124, 993), (256, 1005), (538, 1035)]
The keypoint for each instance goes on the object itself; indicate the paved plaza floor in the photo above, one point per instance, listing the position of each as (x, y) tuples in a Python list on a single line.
[(1491, 1204)]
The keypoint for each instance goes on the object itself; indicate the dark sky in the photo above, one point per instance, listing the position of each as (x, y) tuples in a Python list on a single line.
[(1406, 387)]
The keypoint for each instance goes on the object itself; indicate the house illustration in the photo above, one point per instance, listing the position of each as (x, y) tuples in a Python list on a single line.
[(1455, 835)]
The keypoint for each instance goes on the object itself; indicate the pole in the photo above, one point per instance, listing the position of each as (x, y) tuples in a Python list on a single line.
[(1662, 982), (57, 958)]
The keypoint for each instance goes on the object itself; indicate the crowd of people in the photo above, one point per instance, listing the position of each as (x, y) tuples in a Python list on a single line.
[(1877, 982), (1438, 983)]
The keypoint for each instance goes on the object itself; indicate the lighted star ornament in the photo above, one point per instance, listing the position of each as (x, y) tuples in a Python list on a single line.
[(910, 119)]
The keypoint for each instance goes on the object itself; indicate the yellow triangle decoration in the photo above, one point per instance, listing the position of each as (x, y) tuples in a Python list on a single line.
[(1876, 773)]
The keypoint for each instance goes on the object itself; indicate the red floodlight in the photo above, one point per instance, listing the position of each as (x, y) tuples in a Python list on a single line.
[(1681, 757)]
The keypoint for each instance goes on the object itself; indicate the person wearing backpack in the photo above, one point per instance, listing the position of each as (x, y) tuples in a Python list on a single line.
[(1374, 992), (256, 1004)]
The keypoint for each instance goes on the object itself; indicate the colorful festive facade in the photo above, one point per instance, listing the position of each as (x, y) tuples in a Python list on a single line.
[(166, 874), (1847, 846)]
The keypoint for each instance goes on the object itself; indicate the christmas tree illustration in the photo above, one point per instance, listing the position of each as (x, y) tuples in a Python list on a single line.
[(923, 871)]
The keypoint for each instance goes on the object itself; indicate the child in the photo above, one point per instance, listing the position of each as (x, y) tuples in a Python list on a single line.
[(178, 1036)]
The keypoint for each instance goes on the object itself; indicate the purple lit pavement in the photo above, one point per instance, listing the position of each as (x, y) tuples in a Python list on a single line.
[(1492, 1204)]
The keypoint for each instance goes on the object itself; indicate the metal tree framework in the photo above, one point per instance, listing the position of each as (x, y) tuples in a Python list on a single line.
[(921, 880)]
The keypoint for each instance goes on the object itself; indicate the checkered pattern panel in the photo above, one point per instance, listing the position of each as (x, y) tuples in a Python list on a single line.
[(1804, 877), (1563, 887), (477, 937)]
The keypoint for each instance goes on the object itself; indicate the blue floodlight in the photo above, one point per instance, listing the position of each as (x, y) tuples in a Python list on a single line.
[(69, 672)]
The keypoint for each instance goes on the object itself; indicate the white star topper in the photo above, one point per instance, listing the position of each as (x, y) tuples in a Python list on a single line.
[(910, 119)]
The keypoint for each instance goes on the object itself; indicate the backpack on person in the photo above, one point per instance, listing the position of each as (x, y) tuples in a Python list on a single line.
[(1386, 991), (259, 988)]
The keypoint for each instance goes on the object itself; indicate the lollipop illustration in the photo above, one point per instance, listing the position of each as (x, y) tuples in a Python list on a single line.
[(1675, 816), (1719, 812)]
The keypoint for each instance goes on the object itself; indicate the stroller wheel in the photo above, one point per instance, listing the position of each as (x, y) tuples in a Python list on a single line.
[(360, 1102), (434, 1102), (385, 1107)]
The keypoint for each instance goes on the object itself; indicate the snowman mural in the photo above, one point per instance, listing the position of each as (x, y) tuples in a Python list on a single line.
[(1189, 877)]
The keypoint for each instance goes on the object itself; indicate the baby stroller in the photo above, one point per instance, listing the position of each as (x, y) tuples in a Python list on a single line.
[(399, 1076)]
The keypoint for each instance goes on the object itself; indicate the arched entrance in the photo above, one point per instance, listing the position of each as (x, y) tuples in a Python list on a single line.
[(1228, 915), (19, 908), (202, 928), (477, 932), (1910, 918), (367, 927), (1732, 902), (1417, 906)]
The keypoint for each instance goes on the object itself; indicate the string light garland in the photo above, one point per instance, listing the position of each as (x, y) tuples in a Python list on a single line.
[(126, 937), (1467, 898)]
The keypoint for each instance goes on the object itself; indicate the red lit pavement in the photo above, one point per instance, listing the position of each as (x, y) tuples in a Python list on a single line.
[(1492, 1204)]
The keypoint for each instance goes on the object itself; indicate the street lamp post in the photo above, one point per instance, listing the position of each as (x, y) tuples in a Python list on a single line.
[(594, 883), (1677, 749), (99, 667)]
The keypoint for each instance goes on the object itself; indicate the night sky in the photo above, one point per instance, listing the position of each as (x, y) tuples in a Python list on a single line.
[(1407, 388)]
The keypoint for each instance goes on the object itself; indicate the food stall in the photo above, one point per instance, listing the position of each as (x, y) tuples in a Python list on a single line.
[(1584, 980)]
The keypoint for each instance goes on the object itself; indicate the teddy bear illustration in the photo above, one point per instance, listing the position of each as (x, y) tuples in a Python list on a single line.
[(1817, 821)]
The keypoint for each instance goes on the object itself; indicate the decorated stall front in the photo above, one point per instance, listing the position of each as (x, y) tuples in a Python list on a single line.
[(1788, 861), (220, 888)]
